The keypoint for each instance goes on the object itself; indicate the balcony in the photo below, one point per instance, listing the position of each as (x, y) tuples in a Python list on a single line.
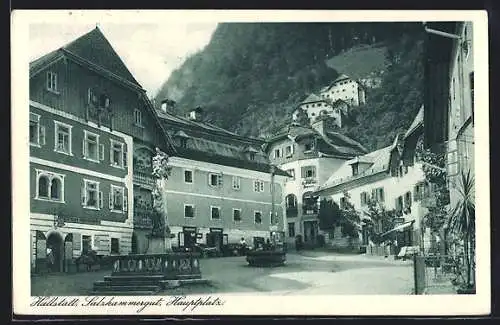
[(292, 211), (143, 178), (307, 182), (142, 218), (310, 209)]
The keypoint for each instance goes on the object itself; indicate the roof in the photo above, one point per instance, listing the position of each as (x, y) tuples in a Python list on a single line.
[(213, 144), (312, 98), (417, 123), (341, 77), (95, 48), (378, 160), (331, 143)]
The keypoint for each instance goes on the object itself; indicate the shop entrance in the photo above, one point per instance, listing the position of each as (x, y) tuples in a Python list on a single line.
[(55, 252), (187, 238), (215, 238)]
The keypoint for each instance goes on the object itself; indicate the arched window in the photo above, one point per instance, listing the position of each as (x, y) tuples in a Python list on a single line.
[(43, 186), (55, 189), (291, 201), (50, 186)]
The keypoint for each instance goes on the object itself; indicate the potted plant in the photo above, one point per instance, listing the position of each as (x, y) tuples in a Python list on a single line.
[(462, 222)]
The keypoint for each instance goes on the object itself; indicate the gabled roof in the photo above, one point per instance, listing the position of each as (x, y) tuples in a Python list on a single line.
[(331, 143), (417, 123), (94, 48), (213, 144), (378, 160)]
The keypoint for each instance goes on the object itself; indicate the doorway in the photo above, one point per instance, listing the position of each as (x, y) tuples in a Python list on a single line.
[(310, 232), (55, 251), (187, 238), (215, 238)]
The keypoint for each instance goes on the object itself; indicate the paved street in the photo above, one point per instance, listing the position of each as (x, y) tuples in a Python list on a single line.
[(308, 273)]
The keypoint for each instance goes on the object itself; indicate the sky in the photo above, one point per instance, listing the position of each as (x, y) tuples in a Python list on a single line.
[(150, 51)]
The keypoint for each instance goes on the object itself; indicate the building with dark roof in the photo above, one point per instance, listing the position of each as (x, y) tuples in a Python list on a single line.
[(310, 154), (387, 177), (220, 185), (93, 132)]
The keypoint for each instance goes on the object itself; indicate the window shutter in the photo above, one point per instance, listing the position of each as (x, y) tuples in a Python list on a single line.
[(84, 147), (373, 195), (101, 152), (107, 102), (101, 199), (77, 241), (42, 135), (125, 200), (303, 172), (219, 180), (110, 197), (382, 198), (89, 96), (125, 162), (84, 195), (313, 169), (292, 148), (111, 154)]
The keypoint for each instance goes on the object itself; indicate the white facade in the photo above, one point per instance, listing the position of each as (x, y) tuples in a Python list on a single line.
[(345, 89), (320, 108)]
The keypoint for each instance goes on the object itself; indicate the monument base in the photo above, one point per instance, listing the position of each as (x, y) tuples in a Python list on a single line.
[(156, 245)]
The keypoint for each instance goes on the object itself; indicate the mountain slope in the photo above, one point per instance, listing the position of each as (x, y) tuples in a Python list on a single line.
[(250, 77)]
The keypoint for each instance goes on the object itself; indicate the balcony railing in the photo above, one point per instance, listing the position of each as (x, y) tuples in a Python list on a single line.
[(292, 212), (309, 181), (310, 210), (143, 178)]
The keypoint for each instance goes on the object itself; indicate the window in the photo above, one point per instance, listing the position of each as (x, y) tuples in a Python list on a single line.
[(399, 204), (52, 81), (364, 198), (308, 171), (137, 117), (291, 201), (419, 191), (117, 199), (407, 201), (277, 153), (86, 244), (308, 146), (252, 156), (215, 179), (91, 196), (188, 176), (37, 132), (289, 151), (115, 246), (378, 194), (291, 172), (343, 202), (236, 183), (50, 186), (118, 155), (215, 213), (188, 211), (291, 229), (183, 142), (62, 138), (236, 215), (355, 169), (258, 186), (91, 149), (257, 215)]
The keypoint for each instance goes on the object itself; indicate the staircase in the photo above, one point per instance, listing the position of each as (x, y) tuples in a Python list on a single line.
[(138, 285)]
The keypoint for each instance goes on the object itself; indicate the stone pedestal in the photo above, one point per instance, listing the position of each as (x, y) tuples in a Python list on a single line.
[(156, 245)]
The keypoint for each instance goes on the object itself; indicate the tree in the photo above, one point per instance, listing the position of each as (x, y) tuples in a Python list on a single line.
[(302, 117), (350, 219), (382, 220), (329, 214), (462, 221)]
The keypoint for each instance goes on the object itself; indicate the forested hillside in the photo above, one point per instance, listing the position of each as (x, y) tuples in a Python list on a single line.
[(250, 77)]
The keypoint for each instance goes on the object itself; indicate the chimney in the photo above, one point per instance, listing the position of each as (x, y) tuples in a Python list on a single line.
[(196, 114), (167, 105)]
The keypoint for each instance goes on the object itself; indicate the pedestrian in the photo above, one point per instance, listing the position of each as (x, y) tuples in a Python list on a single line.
[(243, 246), (50, 258), (267, 246), (387, 248)]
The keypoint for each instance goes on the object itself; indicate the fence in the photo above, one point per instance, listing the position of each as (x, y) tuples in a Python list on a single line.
[(437, 274)]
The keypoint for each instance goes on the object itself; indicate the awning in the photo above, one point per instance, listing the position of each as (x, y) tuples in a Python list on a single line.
[(400, 227)]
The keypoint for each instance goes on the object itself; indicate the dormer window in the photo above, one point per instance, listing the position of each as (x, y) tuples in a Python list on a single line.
[(355, 169), (309, 146), (251, 156), (181, 137)]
